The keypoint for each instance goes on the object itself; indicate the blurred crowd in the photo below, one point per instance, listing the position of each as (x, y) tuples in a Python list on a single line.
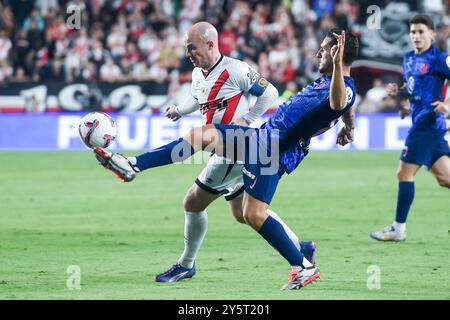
[(142, 40)]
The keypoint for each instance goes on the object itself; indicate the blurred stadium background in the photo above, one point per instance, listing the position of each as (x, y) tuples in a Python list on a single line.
[(128, 56), (128, 59), (124, 42)]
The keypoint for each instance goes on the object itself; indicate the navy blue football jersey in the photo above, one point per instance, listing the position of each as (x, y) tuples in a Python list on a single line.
[(424, 75), (304, 116)]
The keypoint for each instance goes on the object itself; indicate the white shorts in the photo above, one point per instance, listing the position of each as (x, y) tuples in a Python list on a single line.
[(219, 177)]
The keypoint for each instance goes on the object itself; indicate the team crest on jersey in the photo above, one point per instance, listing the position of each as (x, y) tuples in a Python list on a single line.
[(448, 61), (424, 68), (201, 91), (410, 85)]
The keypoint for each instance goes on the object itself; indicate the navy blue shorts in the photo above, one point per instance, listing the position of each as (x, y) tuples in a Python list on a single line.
[(260, 175), (424, 147)]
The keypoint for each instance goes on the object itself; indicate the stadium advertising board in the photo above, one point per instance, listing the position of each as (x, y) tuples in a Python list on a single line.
[(59, 131)]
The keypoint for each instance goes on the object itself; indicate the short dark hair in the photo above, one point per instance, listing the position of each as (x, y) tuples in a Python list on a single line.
[(351, 44), (423, 19)]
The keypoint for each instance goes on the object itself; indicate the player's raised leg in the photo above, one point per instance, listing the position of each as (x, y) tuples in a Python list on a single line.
[(405, 196), (202, 138)]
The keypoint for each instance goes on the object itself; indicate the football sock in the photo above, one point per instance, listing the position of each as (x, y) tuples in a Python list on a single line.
[(306, 263), (288, 230), (132, 161), (274, 233), (405, 198), (176, 151), (399, 227), (195, 227)]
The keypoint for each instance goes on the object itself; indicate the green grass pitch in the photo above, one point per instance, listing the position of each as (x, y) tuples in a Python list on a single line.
[(60, 208)]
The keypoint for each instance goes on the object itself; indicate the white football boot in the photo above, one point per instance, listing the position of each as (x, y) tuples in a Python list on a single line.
[(298, 278), (117, 163), (388, 233)]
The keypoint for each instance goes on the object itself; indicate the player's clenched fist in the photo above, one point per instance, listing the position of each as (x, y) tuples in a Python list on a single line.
[(392, 89), (345, 136), (172, 113)]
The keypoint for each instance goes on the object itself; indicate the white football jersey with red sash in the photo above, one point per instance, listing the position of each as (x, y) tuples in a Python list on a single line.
[(223, 92), (223, 96)]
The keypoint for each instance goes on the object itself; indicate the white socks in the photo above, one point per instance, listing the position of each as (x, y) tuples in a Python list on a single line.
[(399, 227), (288, 230), (306, 264), (133, 162), (195, 227)]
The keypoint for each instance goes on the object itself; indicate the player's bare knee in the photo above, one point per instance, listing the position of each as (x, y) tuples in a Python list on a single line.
[(248, 217), (194, 138), (191, 203), (254, 218), (444, 181), (402, 176), (240, 218)]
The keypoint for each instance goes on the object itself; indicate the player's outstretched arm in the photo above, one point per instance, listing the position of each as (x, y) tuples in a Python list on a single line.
[(346, 134), (337, 90)]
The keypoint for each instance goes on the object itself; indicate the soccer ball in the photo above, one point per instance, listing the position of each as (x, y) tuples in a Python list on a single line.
[(97, 129)]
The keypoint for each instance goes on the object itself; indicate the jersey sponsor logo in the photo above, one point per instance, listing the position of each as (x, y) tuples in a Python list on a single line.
[(448, 61), (410, 85)]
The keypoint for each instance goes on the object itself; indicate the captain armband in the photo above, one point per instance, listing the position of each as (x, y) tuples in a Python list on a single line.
[(258, 88)]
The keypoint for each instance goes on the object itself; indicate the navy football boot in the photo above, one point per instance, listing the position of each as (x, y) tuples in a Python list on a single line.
[(176, 273)]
